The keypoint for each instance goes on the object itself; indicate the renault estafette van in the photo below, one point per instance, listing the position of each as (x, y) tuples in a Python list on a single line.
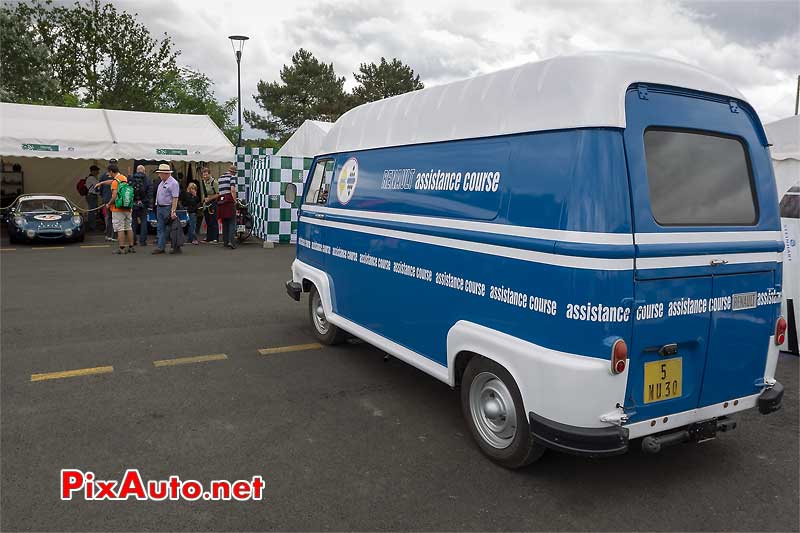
[(588, 246)]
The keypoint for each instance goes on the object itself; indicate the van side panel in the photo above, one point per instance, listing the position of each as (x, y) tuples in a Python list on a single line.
[(411, 282)]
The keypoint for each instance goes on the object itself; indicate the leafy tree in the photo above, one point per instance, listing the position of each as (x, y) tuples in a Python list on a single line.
[(275, 144), (103, 57), (191, 92), (377, 81), (24, 76), (309, 89)]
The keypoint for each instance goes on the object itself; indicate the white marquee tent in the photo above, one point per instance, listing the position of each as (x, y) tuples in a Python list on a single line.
[(54, 146), (307, 140), (784, 135)]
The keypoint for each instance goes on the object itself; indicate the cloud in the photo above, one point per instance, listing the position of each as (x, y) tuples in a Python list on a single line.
[(752, 44)]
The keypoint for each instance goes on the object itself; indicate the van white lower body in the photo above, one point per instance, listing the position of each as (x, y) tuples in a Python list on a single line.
[(561, 391)]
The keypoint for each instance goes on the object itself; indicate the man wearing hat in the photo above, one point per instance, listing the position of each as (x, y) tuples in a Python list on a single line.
[(166, 205)]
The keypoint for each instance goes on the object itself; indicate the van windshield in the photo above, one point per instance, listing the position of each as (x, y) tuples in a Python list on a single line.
[(698, 179)]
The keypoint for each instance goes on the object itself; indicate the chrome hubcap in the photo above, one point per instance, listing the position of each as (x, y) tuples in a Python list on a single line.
[(493, 411), (318, 314)]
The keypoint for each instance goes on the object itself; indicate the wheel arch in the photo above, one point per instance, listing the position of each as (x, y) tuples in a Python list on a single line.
[(543, 375)]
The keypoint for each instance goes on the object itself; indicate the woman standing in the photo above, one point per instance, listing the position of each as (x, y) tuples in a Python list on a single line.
[(226, 206), (210, 195)]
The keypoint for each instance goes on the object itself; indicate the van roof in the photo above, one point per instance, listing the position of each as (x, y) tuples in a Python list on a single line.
[(583, 90)]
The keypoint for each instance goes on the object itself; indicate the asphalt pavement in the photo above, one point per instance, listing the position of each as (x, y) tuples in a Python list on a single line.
[(344, 440)]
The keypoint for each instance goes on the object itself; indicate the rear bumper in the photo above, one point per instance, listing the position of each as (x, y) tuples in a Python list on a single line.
[(771, 399), (590, 442)]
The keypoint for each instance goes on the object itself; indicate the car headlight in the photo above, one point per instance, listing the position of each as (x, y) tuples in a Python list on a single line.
[(77, 220), (19, 221)]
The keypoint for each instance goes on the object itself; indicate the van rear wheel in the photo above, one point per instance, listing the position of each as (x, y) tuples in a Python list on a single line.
[(492, 407), (325, 332)]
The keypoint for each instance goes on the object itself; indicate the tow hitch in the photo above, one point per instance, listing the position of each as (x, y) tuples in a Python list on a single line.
[(698, 432)]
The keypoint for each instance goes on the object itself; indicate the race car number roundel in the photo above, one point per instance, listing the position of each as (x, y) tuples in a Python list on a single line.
[(348, 178)]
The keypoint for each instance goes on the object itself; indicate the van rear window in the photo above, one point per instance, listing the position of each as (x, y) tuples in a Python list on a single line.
[(699, 179)]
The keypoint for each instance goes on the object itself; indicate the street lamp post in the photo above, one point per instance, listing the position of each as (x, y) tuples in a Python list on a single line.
[(237, 43)]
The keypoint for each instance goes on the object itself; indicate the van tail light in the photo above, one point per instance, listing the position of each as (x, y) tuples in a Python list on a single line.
[(619, 357), (780, 331)]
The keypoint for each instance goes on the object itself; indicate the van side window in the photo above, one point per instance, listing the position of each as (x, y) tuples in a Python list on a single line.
[(698, 179), (320, 183)]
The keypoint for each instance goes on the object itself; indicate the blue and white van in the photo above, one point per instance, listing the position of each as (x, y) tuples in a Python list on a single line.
[(588, 246)]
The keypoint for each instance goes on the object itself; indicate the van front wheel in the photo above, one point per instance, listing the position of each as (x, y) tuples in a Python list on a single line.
[(492, 407), (325, 332)]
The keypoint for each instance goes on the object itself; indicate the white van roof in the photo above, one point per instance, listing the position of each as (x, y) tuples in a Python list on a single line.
[(583, 90)]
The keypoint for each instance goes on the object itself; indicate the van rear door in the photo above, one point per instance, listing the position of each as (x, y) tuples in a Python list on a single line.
[(707, 238)]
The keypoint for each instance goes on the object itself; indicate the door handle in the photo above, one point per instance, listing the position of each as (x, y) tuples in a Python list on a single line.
[(718, 262), (319, 215), (668, 349)]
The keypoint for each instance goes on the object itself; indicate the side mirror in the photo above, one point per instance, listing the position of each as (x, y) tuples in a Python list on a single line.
[(290, 194)]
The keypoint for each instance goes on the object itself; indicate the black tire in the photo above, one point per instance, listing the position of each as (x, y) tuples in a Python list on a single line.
[(325, 332), (521, 450)]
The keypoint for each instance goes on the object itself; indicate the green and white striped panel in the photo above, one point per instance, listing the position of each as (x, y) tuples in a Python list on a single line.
[(244, 166), (281, 216)]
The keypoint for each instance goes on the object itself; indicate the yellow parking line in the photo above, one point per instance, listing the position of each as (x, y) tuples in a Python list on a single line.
[(190, 360), (95, 245), (293, 348), (7, 249), (72, 373), (47, 248)]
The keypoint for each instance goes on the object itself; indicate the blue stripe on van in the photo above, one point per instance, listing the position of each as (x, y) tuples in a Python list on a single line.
[(524, 243), (662, 250)]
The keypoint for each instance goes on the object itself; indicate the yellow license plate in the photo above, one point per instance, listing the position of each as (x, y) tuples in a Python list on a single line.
[(662, 379)]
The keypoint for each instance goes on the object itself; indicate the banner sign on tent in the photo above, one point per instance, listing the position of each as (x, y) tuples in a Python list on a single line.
[(41, 147), (172, 151)]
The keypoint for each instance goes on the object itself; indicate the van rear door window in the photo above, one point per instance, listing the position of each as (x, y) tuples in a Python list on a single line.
[(699, 179)]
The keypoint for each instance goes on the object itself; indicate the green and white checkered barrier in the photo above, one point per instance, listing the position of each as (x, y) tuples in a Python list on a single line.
[(275, 220), (244, 166)]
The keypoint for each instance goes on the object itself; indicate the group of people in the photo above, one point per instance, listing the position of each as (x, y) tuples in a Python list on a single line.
[(214, 199)]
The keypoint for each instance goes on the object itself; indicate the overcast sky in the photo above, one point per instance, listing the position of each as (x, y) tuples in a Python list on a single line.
[(753, 44)]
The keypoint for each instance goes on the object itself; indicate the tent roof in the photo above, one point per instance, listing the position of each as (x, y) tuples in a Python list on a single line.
[(584, 90), (307, 140), (784, 136), (79, 133)]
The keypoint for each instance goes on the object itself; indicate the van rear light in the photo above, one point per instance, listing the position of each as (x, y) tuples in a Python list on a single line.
[(619, 356), (780, 331)]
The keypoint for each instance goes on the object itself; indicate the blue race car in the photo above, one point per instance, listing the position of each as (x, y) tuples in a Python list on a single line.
[(43, 217)]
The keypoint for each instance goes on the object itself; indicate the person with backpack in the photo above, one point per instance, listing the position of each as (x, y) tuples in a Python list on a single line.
[(121, 204), (90, 184), (141, 202)]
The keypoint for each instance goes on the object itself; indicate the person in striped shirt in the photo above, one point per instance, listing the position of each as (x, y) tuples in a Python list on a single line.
[(227, 206)]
